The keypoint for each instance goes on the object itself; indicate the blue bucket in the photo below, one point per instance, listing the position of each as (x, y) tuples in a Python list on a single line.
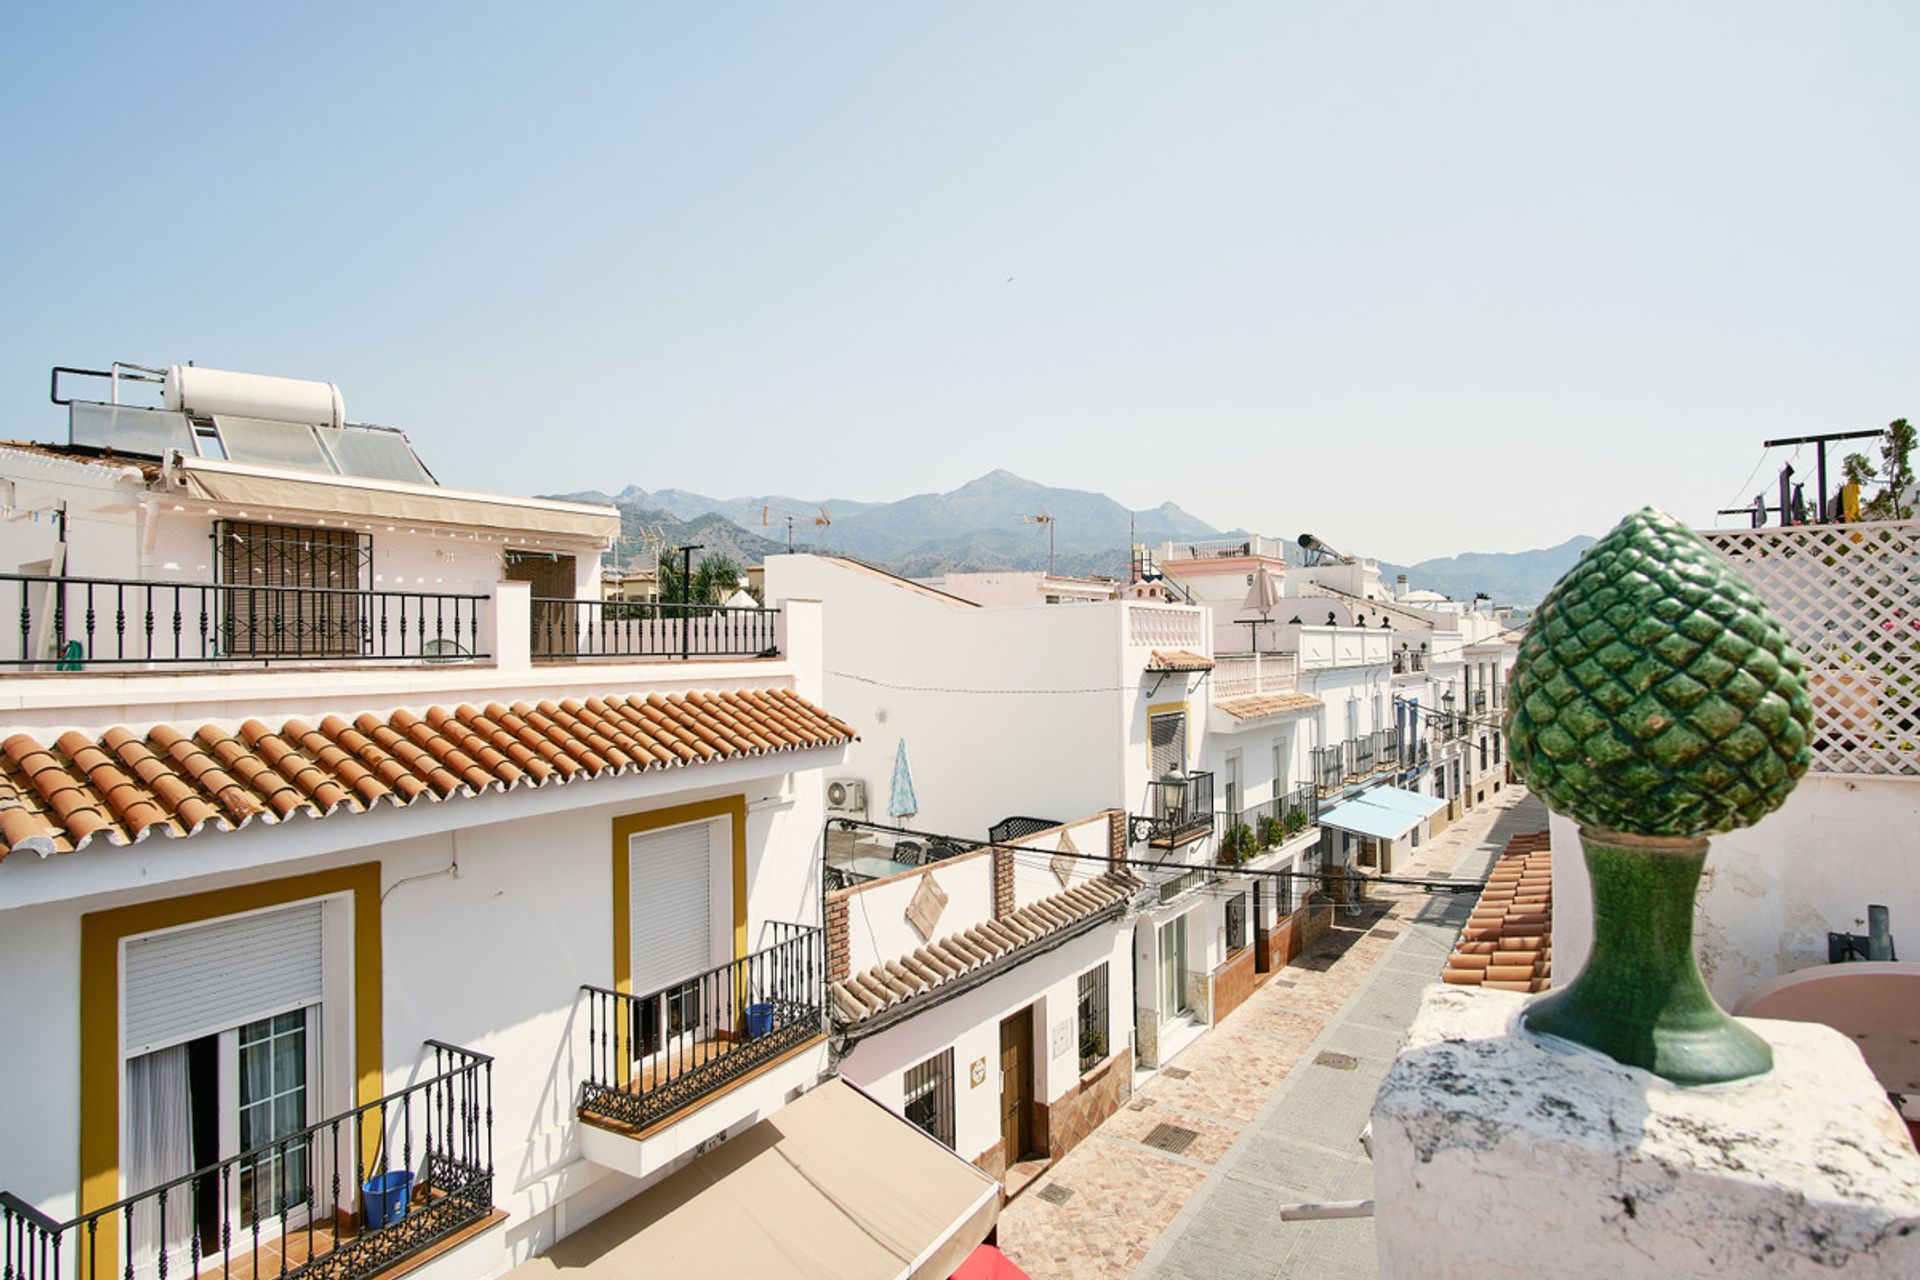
[(759, 1020), (386, 1197)]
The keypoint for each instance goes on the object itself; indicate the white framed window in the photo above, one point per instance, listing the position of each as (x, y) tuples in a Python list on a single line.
[(235, 1035)]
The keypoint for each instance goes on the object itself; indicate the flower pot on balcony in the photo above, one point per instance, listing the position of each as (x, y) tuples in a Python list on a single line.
[(759, 1020), (385, 1197)]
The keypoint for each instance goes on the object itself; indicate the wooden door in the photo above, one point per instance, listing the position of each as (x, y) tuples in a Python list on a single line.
[(555, 626), (1016, 1082), (1259, 925)]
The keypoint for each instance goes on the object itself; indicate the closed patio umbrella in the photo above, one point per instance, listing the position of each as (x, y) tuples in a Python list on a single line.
[(901, 802), (1261, 597)]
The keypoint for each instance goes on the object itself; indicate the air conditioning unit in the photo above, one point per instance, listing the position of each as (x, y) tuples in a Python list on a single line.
[(847, 794)]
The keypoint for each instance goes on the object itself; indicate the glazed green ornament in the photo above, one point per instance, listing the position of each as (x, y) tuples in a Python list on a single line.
[(1655, 701)]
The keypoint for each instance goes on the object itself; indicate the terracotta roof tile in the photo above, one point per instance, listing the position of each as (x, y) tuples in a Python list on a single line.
[(861, 995), (1255, 705), (1507, 943), (1178, 660), (129, 784)]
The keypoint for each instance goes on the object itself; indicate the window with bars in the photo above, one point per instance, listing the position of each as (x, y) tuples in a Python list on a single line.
[(929, 1095), (1236, 923), (302, 603), (1283, 896), (1496, 748), (1093, 1017)]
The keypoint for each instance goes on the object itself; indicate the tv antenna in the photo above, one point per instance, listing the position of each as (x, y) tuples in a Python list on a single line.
[(768, 511), (1045, 517)]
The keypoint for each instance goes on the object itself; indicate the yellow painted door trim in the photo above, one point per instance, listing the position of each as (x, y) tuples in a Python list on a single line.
[(629, 825), (101, 933), (734, 809)]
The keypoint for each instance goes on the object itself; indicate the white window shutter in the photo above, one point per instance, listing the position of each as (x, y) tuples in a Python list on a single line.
[(669, 906), (200, 981)]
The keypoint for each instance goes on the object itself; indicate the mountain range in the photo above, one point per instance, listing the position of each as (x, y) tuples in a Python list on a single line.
[(989, 523)]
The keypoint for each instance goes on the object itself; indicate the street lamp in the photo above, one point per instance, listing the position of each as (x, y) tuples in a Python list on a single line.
[(1173, 792)]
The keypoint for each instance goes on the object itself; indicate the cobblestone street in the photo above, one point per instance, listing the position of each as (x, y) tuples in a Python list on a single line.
[(1274, 1099)]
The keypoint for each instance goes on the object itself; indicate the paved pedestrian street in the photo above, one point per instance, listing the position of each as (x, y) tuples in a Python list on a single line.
[(1268, 1107)]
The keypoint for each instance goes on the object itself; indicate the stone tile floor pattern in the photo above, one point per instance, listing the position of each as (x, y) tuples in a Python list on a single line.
[(1272, 1125)]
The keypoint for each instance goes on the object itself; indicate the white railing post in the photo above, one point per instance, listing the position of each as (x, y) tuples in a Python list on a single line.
[(513, 626)]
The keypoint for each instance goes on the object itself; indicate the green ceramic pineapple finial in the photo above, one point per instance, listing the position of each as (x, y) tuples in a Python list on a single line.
[(1655, 701)]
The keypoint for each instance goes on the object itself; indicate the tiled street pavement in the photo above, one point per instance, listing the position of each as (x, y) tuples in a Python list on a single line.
[(1273, 1099)]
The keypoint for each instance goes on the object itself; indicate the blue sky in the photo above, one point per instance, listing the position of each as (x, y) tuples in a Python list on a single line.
[(1423, 278)]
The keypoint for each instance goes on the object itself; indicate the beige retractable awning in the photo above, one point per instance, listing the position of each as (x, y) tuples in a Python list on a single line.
[(831, 1187), (391, 500)]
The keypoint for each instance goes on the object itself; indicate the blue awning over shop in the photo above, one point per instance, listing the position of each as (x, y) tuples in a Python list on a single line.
[(1385, 813)]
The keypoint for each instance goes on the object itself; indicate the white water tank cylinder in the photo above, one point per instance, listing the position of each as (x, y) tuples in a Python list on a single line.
[(207, 392)]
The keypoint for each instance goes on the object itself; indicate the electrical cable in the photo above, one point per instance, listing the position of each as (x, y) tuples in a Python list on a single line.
[(1740, 494)]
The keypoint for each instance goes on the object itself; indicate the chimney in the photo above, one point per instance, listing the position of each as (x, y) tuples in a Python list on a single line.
[(1400, 587)]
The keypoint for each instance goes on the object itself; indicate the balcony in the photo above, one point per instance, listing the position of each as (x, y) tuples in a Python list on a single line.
[(68, 624), (73, 624), (349, 1197), (652, 1057), (1280, 819), (1224, 549), (1355, 760), (1409, 662), (1247, 675), (1177, 813), (1479, 702)]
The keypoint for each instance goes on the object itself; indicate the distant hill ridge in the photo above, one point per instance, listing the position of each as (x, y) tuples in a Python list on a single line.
[(979, 526)]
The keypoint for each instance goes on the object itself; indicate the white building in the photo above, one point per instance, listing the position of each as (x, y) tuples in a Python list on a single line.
[(361, 912), (1004, 588)]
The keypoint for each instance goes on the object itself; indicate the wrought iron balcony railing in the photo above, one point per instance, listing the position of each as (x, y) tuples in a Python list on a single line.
[(1409, 661), (1177, 813), (651, 1056), (1387, 748), (1294, 810), (343, 1199), (72, 624), (651, 629), (1330, 768)]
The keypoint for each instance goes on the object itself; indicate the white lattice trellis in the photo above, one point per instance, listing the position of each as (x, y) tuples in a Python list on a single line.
[(1849, 596)]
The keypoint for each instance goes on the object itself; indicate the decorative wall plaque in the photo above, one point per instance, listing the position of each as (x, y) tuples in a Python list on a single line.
[(1063, 865), (929, 900)]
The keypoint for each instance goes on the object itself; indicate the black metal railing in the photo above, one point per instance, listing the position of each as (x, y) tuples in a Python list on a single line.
[(652, 1055), (1360, 752), (651, 629), (71, 624), (1276, 821), (1386, 749), (1330, 768), (343, 1199), (1408, 661), (1479, 699), (1177, 812)]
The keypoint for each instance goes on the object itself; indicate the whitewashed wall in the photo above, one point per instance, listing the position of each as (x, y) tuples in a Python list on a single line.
[(117, 528), (1772, 892), (970, 1024), (1004, 711)]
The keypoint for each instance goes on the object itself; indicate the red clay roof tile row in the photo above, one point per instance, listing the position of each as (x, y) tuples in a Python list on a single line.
[(861, 995), (1508, 940), (1178, 660), (125, 786)]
